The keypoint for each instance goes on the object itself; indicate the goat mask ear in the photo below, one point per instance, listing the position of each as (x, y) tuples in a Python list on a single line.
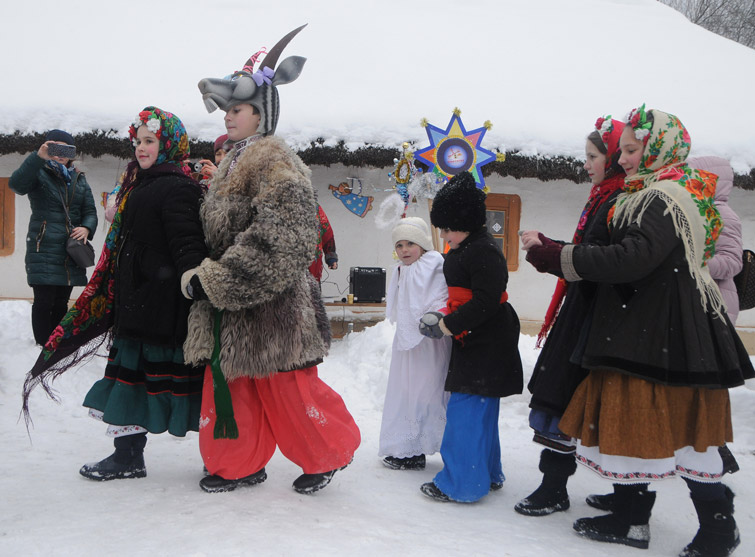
[(288, 70), (259, 88)]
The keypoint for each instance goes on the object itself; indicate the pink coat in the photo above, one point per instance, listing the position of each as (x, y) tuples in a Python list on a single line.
[(727, 261)]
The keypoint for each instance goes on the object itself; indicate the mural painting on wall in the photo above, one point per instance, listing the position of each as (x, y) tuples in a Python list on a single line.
[(352, 197)]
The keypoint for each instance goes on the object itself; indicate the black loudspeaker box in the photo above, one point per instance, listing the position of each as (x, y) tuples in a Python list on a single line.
[(367, 284)]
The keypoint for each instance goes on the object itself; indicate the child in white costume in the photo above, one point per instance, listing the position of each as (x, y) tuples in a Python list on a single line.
[(414, 414)]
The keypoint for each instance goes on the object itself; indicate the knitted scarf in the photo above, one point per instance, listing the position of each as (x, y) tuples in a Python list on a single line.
[(688, 194), (610, 132), (87, 325)]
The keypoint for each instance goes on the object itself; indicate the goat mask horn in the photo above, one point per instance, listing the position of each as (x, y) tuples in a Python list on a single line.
[(258, 89)]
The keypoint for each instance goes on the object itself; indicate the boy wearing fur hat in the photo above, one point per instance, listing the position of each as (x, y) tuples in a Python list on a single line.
[(485, 363), (414, 414)]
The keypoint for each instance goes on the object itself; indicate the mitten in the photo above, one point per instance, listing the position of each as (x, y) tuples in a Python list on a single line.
[(546, 258), (195, 289), (191, 286), (431, 325)]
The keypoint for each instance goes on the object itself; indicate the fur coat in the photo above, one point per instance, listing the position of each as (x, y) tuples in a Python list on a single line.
[(260, 223)]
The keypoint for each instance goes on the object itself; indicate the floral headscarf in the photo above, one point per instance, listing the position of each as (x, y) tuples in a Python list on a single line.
[(170, 131), (688, 193), (610, 132), (667, 143)]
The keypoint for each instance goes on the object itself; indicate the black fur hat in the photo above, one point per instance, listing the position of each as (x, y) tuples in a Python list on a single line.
[(459, 205)]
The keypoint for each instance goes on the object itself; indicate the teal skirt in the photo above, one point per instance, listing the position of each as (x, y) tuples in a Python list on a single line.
[(149, 386)]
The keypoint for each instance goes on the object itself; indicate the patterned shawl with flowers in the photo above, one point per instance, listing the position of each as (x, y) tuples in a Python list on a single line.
[(87, 325), (688, 194), (610, 132)]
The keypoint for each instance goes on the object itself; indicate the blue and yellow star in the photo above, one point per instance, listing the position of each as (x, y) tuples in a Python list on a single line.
[(454, 150)]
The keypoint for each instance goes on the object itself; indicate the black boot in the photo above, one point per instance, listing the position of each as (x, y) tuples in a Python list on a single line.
[(309, 483), (416, 462), (600, 502), (628, 523), (718, 535), (434, 492), (126, 462), (217, 484), (551, 496)]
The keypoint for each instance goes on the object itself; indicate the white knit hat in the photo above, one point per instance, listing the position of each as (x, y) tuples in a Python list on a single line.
[(415, 230)]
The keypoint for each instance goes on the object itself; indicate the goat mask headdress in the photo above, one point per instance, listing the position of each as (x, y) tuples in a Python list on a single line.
[(256, 88)]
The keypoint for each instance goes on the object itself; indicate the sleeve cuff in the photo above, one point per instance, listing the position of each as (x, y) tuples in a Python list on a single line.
[(567, 264)]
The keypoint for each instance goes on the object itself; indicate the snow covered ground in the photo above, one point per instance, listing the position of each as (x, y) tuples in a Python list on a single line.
[(48, 509)]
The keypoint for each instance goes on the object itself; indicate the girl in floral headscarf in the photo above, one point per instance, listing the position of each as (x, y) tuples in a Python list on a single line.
[(134, 298), (661, 351), (555, 376)]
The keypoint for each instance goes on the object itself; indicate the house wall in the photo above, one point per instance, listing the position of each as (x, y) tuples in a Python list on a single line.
[(552, 207)]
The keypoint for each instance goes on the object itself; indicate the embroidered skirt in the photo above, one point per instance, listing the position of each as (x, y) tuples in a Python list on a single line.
[(148, 386), (630, 429)]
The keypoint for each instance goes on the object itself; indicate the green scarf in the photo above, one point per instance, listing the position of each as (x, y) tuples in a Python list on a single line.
[(225, 423)]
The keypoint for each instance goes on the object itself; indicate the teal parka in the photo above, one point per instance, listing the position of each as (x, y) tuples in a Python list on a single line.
[(47, 261)]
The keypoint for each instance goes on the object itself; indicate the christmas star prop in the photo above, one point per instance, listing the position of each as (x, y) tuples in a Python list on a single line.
[(454, 150)]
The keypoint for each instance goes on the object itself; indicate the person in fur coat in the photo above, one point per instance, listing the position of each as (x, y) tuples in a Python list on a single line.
[(258, 321), (414, 413), (661, 351)]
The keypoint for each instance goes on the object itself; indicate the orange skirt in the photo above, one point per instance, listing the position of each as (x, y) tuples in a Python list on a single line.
[(628, 416)]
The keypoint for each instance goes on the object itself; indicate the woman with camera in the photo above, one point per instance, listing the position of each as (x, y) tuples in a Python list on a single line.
[(62, 206)]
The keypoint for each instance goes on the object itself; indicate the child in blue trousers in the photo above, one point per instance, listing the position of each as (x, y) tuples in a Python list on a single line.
[(485, 363)]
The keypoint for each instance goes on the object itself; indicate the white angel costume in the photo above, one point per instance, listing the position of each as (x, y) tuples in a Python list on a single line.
[(414, 413)]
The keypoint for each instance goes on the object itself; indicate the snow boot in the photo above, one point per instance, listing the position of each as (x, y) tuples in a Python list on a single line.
[(551, 496), (410, 463), (730, 463), (309, 483), (628, 523), (600, 502), (217, 484), (433, 492), (126, 462), (718, 535)]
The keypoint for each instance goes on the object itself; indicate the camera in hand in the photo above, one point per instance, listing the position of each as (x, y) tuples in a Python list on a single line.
[(197, 166), (61, 150)]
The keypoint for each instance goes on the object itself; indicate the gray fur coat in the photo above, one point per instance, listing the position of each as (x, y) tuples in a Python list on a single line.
[(260, 224)]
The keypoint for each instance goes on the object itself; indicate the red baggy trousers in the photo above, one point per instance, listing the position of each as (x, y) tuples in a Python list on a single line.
[(294, 410)]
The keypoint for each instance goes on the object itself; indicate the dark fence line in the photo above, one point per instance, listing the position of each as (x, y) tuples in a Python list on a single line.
[(516, 165)]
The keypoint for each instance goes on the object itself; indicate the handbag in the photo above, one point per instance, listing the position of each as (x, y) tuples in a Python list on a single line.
[(82, 252), (745, 281)]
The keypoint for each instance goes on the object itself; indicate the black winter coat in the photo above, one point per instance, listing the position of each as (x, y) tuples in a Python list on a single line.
[(161, 238), (648, 320), (47, 262), (486, 361), (557, 372)]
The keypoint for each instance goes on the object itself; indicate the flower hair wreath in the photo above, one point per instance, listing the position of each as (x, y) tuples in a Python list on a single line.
[(152, 121), (604, 125), (638, 119)]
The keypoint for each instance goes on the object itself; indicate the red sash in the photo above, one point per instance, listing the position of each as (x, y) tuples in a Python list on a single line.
[(458, 296)]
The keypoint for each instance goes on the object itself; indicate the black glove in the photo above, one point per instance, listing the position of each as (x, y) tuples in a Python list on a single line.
[(195, 290), (429, 325)]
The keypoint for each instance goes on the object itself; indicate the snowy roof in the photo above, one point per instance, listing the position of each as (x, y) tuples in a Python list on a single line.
[(541, 71)]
